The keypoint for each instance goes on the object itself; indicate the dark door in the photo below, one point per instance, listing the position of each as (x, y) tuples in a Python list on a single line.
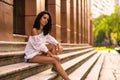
[(19, 17)]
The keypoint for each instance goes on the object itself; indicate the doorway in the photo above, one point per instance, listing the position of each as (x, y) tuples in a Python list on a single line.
[(19, 17)]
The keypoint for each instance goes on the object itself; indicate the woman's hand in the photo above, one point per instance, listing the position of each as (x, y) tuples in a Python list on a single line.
[(60, 49), (56, 57)]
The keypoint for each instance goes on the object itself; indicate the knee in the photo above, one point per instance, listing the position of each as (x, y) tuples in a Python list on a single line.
[(55, 61)]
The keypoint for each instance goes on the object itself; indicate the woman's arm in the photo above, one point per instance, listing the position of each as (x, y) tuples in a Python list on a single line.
[(54, 56), (34, 32), (54, 41), (51, 39), (60, 48)]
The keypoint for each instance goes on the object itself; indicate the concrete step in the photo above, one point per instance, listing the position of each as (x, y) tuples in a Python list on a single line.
[(110, 65), (73, 45), (7, 58), (76, 62), (95, 71), (83, 70), (72, 49), (15, 71), (12, 57), (20, 38), (6, 46)]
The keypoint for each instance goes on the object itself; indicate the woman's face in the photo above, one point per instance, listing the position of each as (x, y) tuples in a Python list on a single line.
[(44, 20)]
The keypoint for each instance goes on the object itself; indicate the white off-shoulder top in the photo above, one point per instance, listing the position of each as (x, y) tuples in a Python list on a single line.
[(37, 43)]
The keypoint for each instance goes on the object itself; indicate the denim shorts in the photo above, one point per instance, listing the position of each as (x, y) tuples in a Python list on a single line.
[(27, 60)]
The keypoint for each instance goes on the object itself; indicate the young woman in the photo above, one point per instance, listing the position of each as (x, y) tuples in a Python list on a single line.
[(36, 50)]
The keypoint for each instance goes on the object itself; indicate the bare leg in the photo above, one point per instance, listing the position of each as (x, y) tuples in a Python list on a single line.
[(52, 49), (47, 60)]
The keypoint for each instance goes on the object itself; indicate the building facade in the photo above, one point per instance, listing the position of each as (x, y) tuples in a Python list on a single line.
[(71, 19), (117, 2), (99, 7)]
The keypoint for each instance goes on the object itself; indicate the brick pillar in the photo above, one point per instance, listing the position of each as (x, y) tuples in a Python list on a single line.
[(65, 21), (91, 33), (90, 24), (88, 19), (89, 16), (54, 8), (86, 22), (32, 8), (73, 21), (30, 14), (83, 22), (78, 21), (6, 20)]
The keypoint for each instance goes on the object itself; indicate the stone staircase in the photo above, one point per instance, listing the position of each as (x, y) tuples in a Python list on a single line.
[(80, 61)]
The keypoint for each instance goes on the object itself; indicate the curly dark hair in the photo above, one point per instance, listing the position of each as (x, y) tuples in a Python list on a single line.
[(47, 28)]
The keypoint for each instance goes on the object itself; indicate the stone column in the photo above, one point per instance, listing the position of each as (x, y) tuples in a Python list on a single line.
[(32, 8), (65, 21), (6, 20), (54, 9), (83, 22), (73, 21), (79, 21), (91, 33), (90, 24), (86, 22)]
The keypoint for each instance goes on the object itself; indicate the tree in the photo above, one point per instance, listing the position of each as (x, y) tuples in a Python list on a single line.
[(107, 26)]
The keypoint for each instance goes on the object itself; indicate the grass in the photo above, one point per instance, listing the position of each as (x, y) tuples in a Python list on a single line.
[(104, 48)]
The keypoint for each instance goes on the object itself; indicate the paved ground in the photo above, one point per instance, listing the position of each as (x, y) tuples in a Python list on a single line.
[(111, 66)]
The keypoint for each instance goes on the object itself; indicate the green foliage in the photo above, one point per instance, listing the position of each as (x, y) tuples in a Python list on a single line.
[(104, 48), (105, 25)]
